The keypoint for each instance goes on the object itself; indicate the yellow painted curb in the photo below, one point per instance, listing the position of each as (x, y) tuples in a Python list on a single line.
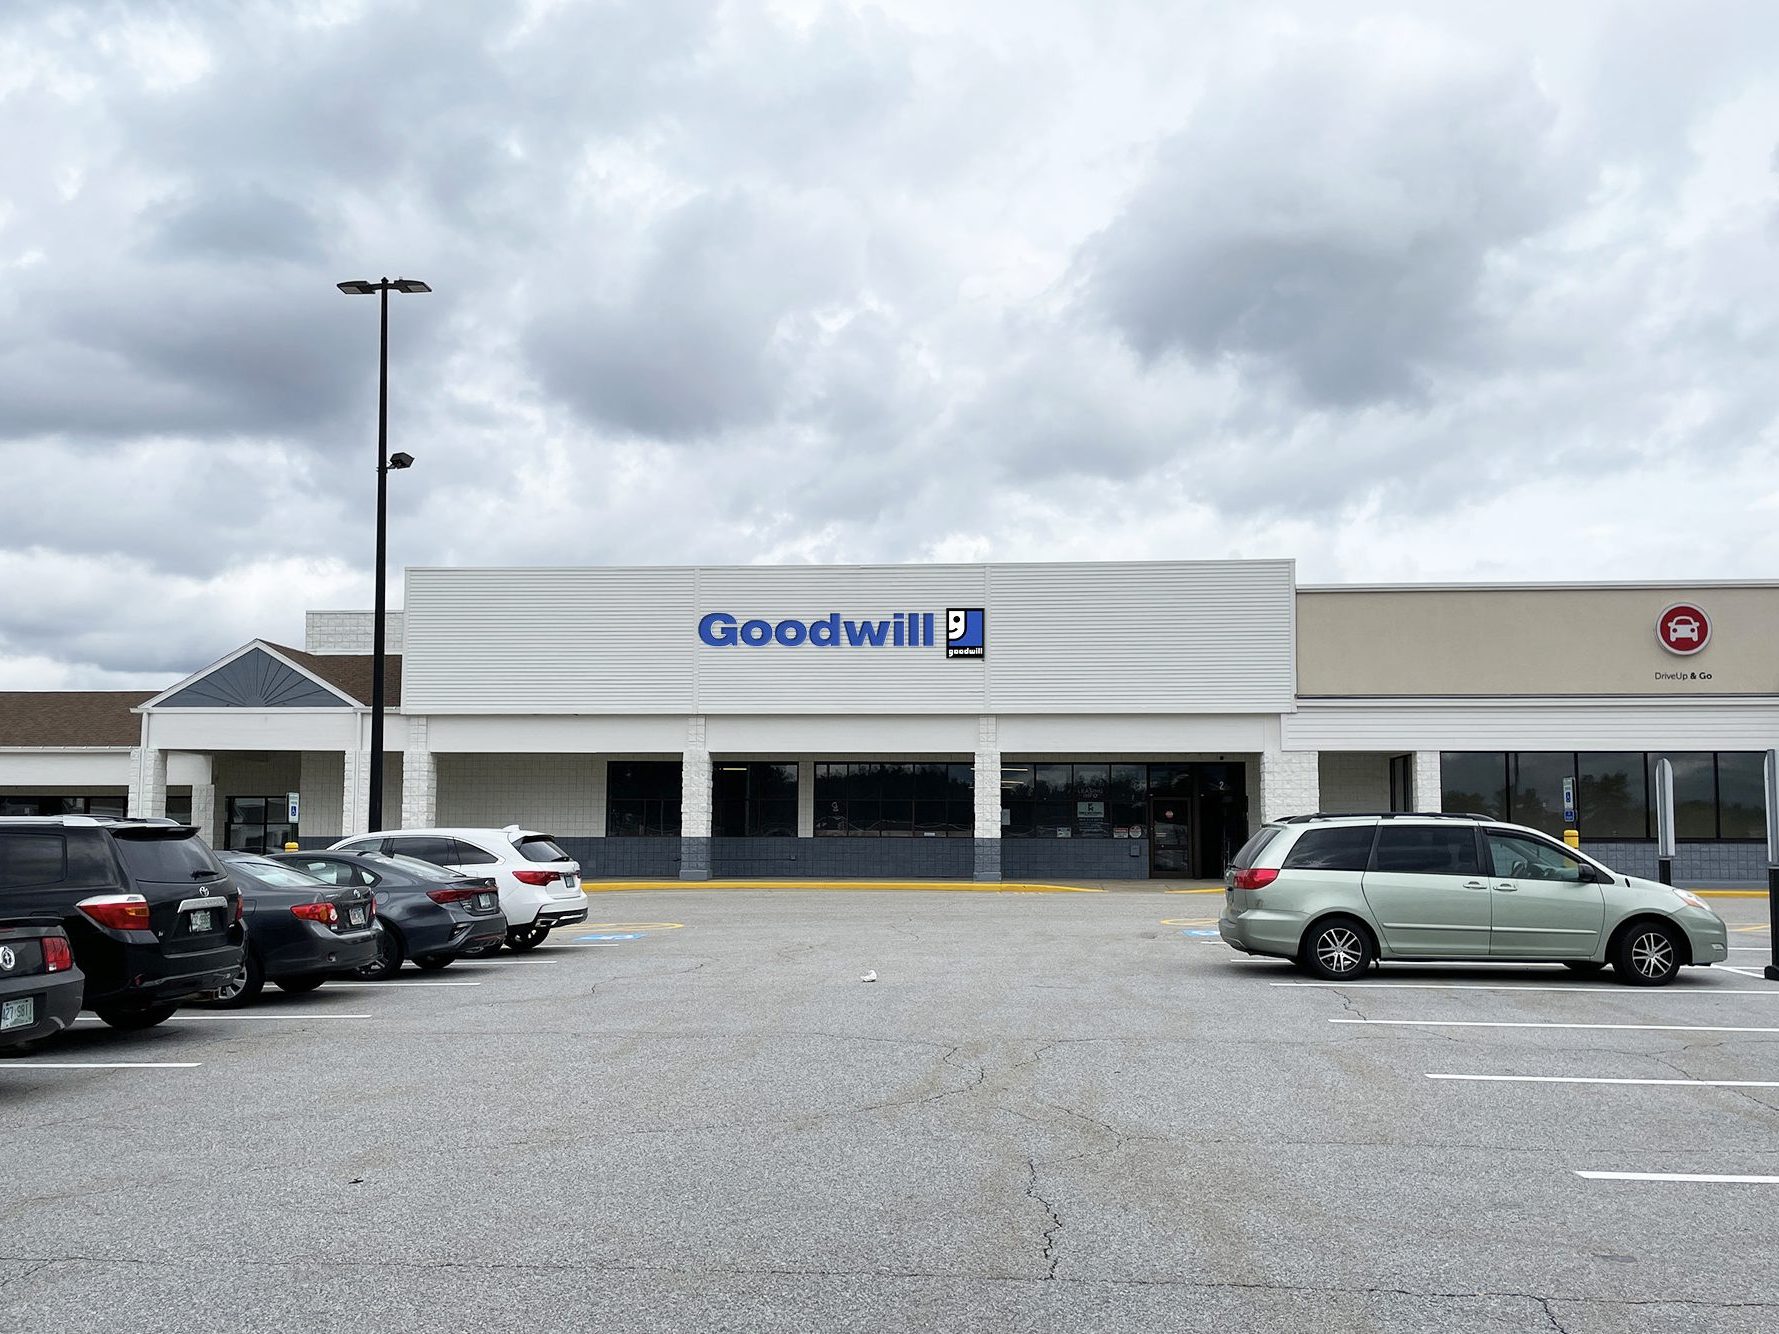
[(864, 886), (1217, 889), (1731, 893)]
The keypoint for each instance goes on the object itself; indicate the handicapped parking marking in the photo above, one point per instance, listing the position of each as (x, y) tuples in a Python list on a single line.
[(1199, 931), (612, 935), (1189, 921)]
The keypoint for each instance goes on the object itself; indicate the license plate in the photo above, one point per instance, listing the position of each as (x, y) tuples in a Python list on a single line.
[(355, 917), (571, 882), (18, 1013), (202, 919), (485, 900)]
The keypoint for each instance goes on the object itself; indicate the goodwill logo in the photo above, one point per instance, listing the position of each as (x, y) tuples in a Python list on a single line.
[(964, 631)]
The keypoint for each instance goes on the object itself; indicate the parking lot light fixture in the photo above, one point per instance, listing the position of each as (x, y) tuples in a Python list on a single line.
[(385, 462)]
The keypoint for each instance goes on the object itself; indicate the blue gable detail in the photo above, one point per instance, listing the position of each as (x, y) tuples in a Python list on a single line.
[(255, 680)]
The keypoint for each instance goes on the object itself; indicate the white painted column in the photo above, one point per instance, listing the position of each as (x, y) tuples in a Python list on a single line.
[(988, 798), (420, 780), (695, 804), (805, 798), (1429, 793), (1290, 783), (203, 798), (148, 783), (355, 795)]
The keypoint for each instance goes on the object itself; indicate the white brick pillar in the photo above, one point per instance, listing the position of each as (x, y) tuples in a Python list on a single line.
[(694, 804), (805, 798), (1290, 783), (148, 783), (203, 798), (355, 794), (420, 780), (1429, 790), (988, 798)]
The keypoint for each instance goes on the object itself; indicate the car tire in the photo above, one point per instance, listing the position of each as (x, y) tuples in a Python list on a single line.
[(130, 1020), (431, 963), (298, 986), (389, 957), (1587, 967), (1337, 949), (243, 988), (1647, 954), (526, 938)]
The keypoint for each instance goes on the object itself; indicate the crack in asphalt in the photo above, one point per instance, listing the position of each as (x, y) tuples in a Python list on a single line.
[(1050, 1257)]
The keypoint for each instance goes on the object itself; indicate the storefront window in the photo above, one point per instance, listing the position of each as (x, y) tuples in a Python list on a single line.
[(642, 798), (1695, 793), (258, 824), (1090, 800), (754, 799), (894, 799), (1537, 795), (1475, 782), (1742, 795), (1614, 802)]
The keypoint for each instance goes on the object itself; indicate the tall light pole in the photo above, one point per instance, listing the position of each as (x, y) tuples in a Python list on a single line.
[(385, 461)]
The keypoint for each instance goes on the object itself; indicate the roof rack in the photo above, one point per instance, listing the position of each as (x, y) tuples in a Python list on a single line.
[(1387, 815)]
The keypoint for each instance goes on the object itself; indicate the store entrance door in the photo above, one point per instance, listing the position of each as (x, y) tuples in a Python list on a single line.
[(1170, 837)]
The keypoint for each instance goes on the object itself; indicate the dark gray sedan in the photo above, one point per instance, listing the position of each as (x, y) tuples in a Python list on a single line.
[(424, 912), (300, 930)]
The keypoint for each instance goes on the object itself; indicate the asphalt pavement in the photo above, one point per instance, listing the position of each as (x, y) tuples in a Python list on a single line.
[(1048, 1112)]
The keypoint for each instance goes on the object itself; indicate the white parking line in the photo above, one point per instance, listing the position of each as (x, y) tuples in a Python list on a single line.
[(1715, 1178), (200, 1014), (1743, 972), (1541, 1023), (99, 1065), (1587, 1079), (1706, 990)]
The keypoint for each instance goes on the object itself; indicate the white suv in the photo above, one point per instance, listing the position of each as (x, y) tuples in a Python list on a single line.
[(539, 883)]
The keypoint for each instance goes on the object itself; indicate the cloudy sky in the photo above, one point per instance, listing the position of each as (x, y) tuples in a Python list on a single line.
[(1414, 291)]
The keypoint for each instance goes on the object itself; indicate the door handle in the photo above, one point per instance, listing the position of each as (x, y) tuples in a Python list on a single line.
[(1507, 889), (1474, 884)]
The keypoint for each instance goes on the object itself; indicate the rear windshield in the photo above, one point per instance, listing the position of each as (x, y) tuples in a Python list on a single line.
[(166, 856), (271, 873), (537, 848), (1253, 847), (413, 866)]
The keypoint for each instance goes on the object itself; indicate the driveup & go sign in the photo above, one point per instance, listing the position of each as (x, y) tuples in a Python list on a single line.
[(965, 631)]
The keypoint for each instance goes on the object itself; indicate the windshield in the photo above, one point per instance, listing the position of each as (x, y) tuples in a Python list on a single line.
[(537, 848), (164, 855), (413, 866)]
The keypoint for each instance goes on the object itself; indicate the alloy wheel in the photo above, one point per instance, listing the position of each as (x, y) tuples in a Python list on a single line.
[(1339, 949), (1652, 954)]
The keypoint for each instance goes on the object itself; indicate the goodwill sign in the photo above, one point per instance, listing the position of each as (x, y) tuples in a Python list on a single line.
[(964, 631)]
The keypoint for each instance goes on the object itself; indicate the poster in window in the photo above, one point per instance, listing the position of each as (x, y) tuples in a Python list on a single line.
[(1090, 819)]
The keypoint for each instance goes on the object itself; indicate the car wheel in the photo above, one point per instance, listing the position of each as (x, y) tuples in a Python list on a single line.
[(431, 963), (243, 988), (523, 938), (1337, 950), (389, 957), (1586, 966), (130, 1020), (1648, 955), (298, 986)]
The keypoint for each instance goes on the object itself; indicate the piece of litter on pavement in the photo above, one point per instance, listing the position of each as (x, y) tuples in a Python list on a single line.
[(870, 976)]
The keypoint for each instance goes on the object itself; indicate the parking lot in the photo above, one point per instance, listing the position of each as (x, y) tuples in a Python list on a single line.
[(1048, 1111)]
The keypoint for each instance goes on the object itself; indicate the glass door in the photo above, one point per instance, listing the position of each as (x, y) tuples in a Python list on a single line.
[(258, 824), (1170, 837)]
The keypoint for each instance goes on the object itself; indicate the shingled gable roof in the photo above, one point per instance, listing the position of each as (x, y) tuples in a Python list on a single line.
[(70, 717), (350, 673)]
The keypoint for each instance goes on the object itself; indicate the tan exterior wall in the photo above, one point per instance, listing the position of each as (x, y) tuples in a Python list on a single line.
[(1532, 641)]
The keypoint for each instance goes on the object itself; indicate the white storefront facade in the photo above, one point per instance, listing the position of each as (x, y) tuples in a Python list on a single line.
[(1088, 721)]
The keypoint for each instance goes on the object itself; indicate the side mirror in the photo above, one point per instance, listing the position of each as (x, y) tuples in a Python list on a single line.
[(1587, 875)]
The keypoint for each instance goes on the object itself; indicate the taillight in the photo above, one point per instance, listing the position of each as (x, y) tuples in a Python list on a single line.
[(534, 877), (120, 912), (240, 909), (325, 913), (57, 957), (1255, 877), (450, 895)]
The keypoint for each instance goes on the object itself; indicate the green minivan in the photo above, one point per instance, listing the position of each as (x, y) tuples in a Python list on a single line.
[(1339, 892)]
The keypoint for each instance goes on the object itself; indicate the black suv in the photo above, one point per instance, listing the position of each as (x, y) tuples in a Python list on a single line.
[(152, 918)]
